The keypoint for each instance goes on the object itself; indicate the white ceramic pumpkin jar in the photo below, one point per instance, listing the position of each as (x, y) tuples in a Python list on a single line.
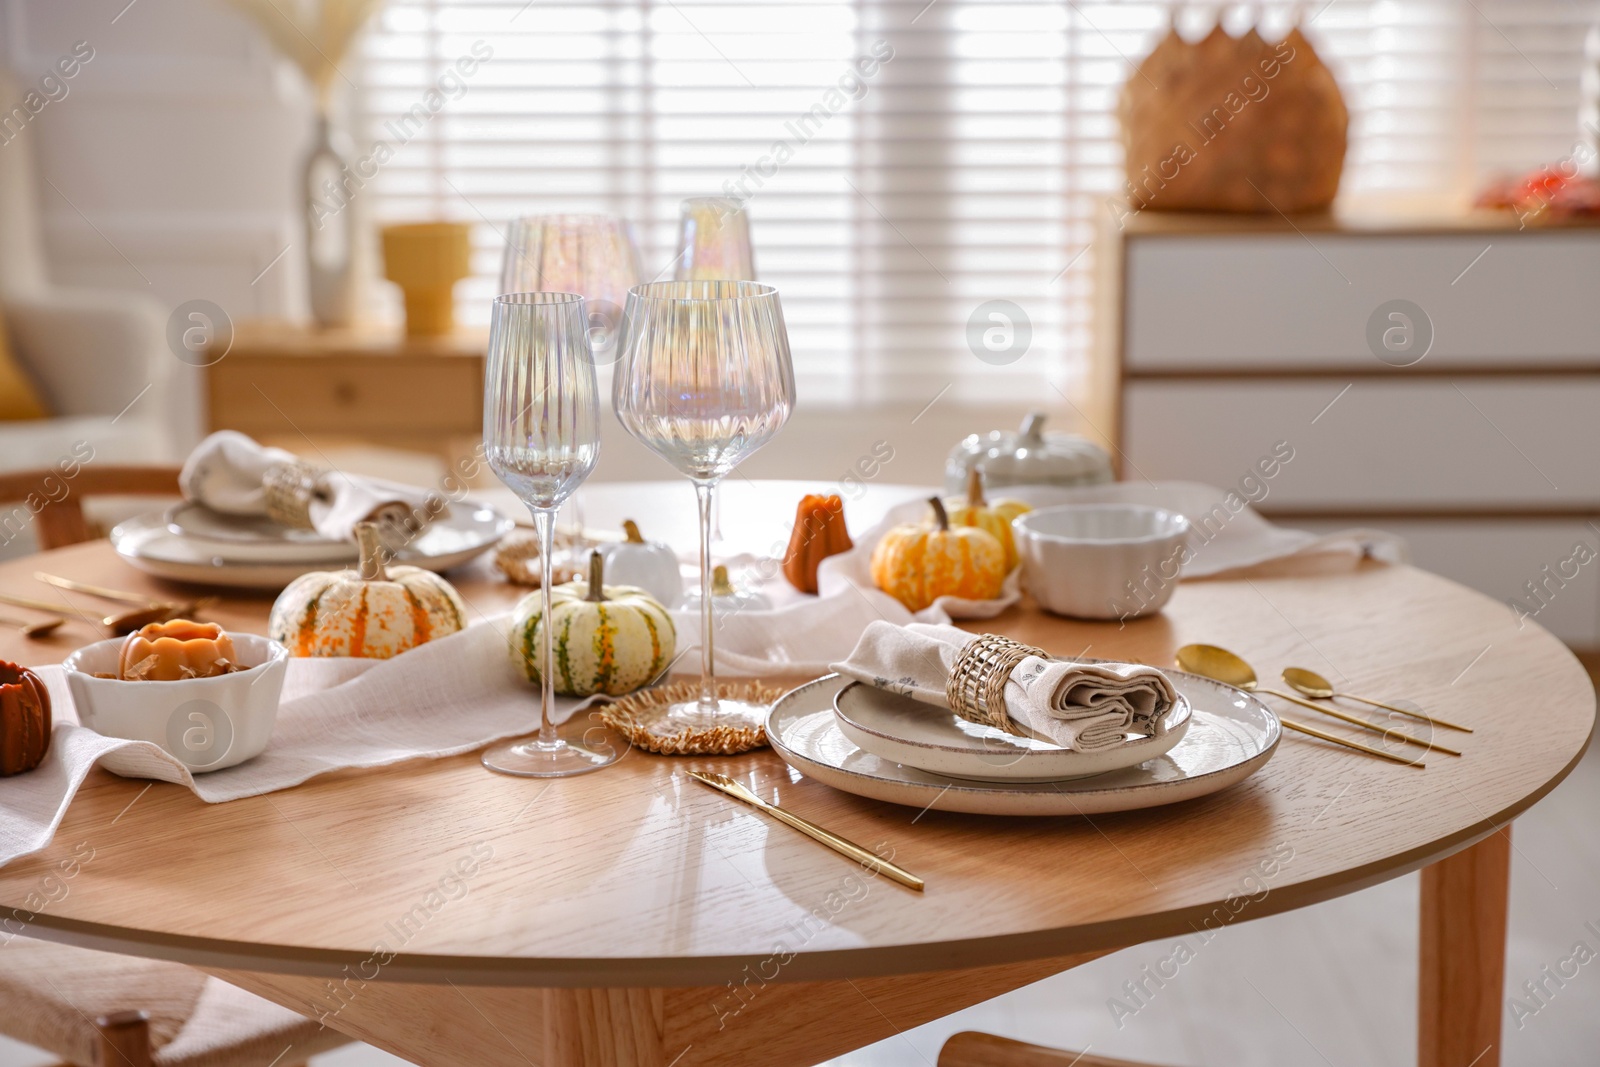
[(649, 565)]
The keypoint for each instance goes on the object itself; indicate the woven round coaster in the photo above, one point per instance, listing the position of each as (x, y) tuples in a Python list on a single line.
[(642, 717)]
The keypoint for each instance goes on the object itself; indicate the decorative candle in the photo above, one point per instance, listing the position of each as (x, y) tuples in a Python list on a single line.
[(175, 650)]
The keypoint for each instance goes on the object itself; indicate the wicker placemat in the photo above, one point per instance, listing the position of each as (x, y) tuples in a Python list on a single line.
[(642, 717)]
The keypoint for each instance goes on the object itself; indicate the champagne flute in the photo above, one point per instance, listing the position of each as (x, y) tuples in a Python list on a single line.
[(541, 435), (704, 379), (713, 245)]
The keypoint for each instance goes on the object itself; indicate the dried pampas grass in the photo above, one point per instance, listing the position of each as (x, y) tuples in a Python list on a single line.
[(315, 35)]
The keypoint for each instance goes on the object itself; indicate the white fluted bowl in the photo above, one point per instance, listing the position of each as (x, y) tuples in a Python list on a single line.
[(1101, 561), (205, 723)]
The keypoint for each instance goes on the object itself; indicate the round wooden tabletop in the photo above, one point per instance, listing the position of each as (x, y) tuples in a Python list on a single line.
[(638, 876)]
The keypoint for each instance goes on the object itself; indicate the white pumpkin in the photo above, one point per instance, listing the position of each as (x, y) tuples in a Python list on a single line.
[(649, 565), (726, 598), (605, 639), (375, 612)]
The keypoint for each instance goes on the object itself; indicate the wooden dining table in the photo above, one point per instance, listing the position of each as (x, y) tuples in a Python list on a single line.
[(632, 918)]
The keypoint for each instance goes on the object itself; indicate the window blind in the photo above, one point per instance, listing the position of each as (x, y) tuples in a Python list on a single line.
[(904, 162)]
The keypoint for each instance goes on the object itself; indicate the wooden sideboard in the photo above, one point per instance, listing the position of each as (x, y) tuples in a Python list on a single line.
[(1235, 338), (289, 385)]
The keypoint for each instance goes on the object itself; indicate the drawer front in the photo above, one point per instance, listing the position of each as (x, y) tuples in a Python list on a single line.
[(1376, 444), (393, 394), (1536, 568), (1285, 301)]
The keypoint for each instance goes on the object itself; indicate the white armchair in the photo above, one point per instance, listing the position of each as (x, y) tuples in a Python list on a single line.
[(91, 352)]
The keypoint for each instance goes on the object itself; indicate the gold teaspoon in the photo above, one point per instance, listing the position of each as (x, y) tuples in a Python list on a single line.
[(1223, 666), (1315, 685), (35, 629)]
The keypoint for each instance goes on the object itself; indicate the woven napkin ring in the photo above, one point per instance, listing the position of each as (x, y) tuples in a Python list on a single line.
[(290, 488), (976, 690)]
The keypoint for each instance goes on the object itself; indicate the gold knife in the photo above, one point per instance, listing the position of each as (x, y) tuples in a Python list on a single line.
[(722, 783), (136, 599)]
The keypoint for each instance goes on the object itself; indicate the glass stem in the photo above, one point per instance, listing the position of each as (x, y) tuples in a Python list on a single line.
[(545, 522), (704, 491)]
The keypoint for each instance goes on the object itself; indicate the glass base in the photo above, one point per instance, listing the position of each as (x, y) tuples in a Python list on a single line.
[(738, 714), (580, 746)]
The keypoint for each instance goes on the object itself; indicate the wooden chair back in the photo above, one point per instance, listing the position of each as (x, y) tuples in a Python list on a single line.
[(53, 499), (973, 1049)]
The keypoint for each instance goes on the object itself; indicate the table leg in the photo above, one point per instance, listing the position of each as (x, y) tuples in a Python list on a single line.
[(1462, 988)]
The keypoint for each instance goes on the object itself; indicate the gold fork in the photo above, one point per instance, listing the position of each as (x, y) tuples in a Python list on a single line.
[(722, 783)]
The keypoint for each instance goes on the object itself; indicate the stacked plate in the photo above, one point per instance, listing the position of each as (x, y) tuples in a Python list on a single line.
[(882, 745), (192, 543)]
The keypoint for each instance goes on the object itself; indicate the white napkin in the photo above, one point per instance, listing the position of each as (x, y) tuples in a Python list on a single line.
[(448, 696), (1081, 706), (224, 473)]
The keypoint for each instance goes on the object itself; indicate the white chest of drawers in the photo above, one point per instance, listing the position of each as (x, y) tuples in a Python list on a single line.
[(1231, 337)]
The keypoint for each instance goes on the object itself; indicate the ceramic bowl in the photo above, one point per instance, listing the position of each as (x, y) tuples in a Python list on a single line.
[(205, 723), (1101, 561)]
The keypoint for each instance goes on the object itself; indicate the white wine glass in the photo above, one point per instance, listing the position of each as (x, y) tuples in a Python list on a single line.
[(541, 436), (704, 379)]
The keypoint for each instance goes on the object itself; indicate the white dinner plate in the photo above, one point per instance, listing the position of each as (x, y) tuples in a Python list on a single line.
[(150, 545), (253, 538), (1231, 736), (936, 739)]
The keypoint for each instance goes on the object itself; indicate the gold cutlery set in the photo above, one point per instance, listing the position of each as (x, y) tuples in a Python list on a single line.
[(1208, 661), (143, 612), (1218, 664)]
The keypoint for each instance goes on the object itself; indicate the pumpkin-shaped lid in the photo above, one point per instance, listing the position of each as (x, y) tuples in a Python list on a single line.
[(1028, 456)]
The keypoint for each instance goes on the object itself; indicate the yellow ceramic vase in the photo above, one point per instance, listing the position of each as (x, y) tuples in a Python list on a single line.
[(426, 259)]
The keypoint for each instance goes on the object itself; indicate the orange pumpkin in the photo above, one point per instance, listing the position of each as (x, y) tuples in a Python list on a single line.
[(994, 517), (918, 563), (24, 719), (819, 532)]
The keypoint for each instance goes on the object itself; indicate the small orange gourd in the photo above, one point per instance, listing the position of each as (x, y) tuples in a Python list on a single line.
[(919, 563), (994, 516), (24, 719), (819, 532)]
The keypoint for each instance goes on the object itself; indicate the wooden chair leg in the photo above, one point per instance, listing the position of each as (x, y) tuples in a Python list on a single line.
[(124, 1039), (972, 1049)]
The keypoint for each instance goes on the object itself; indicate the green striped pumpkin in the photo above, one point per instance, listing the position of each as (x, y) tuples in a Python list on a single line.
[(612, 642)]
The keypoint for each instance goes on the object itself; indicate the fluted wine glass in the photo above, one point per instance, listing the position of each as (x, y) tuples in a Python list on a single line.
[(541, 436), (596, 257), (703, 380), (714, 241), (714, 245)]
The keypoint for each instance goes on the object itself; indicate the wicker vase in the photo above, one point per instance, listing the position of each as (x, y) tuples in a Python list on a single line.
[(1232, 124)]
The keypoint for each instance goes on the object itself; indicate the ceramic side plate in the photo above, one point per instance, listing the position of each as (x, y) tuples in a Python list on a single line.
[(149, 543), (935, 739), (1231, 735)]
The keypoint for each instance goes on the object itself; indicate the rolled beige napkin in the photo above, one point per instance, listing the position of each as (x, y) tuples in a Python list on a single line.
[(226, 472), (1081, 706)]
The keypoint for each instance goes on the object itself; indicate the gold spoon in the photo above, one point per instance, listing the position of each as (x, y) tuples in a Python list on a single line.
[(1315, 685), (35, 629), (126, 622), (1223, 666), (41, 605)]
